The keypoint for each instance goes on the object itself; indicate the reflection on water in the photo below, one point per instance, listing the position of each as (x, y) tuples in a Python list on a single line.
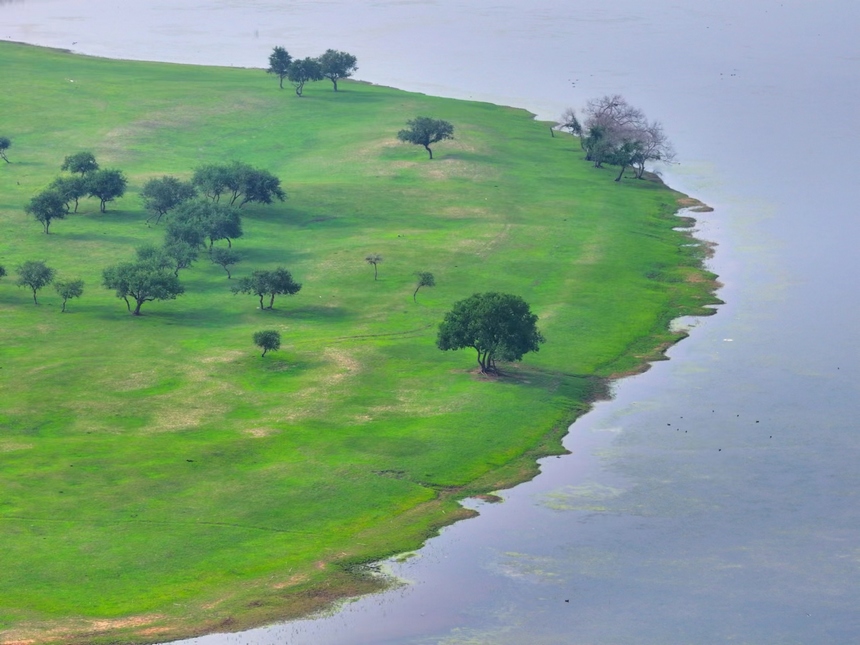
[(715, 499)]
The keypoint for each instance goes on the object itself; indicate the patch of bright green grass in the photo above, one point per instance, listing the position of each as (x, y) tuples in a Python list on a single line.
[(157, 466)]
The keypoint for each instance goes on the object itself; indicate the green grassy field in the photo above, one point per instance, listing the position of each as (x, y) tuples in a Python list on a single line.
[(158, 477)]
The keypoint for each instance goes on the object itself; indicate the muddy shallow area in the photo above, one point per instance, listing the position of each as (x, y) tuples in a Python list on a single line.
[(715, 498)]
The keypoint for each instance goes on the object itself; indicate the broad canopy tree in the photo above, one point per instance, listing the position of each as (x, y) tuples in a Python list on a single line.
[(303, 71), (279, 64), (142, 281), (238, 181), (268, 283), (336, 65), (81, 163), (269, 340), (35, 274), (69, 289), (72, 188), (424, 131), (161, 195), (497, 326), (106, 185), (46, 207)]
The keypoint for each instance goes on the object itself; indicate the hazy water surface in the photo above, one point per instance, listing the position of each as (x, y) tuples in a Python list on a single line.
[(715, 499)]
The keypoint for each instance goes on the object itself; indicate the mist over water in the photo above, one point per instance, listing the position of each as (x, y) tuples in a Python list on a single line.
[(715, 498)]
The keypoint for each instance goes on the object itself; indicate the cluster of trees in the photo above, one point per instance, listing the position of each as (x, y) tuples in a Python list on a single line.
[(616, 133), (85, 179), (36, 275), (333, 65)]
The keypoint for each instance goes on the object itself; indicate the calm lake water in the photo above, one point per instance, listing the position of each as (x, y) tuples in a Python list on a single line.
[(715, 499)]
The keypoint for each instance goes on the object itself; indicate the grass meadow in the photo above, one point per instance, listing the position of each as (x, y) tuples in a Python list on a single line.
[(158, 478)]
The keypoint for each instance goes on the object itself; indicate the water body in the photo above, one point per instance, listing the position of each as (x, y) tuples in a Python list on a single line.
[(715, 499)]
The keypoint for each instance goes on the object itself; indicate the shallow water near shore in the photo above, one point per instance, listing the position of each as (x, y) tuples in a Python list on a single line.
[(714, 499)]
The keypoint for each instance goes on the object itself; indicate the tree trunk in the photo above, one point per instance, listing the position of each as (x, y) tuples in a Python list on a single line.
[(63, 310), (229, 243), (621, 174), (335, 84), (263, 355), (281, 78), (229, 277), (34, 297), (415, 293), (272, 302), (261, 302), (102, 206), (136, 311), (6, 159), (429, 150), (299, 88), (127, 303), (47, 223), (76, 206), (374, 272)]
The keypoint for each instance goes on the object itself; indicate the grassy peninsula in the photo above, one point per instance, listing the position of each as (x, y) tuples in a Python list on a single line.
[(159, 478)]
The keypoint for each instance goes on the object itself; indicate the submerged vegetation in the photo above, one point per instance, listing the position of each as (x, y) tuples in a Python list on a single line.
[(158, 478)]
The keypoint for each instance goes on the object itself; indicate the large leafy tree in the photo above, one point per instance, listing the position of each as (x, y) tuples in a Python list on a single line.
[(5, 144), (498, 326), (279, 64), (106, 185), (81, 163), (268, 283), (303, 71), (35, 274), (198, 219), (336, 65), (72, 188), (142, 281), (269, 340), (161, 195), (239, 182), (424, 131), (46, 207)]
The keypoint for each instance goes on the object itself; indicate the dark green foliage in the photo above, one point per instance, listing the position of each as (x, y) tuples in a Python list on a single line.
[(496, 325), (106, 185), (5, 144), (224, 258), (303, 71), (2, 271), (46, 207), (424, 131), (279, 63), (68, 289), (268, 340), (425, 279), (336, 65), (162, 195), (181, 254), (143, 281), (374, 259), (35, 274), (194, 221), (241, 182), (81, 163), (71, 189), (268, 283)]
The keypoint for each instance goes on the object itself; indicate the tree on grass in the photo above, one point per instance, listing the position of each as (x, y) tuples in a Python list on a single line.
[(268, 283), (303, 71), (68, 289), (5, 144), (46, 207), (35, 274), (224, 258), (163, 195), (336, 65), (425, 279), (107, 185), (240, 181), (181, 255), (143, 282), (498, 326), (268, 340), (279, 64), (71, 189), (2, 271), (81, 163), (374, 259), (424, 131)]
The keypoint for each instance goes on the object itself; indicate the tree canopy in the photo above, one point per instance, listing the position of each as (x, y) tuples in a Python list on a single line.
[(5, 144), (498, 326), (224, 258), (269, 340), (268, 283), (279, 64), (143, 281), (106, 185), (81, 163), (336, 65), (302, 71), (424, 131), (239, 181), (35, 274), (425, 279), (69, 289), (71, 188), (162, 195), (46, 207)]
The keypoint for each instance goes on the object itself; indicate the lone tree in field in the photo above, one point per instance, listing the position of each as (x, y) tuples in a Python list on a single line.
[(374, 259), (425, 279), (35, 274), (143, 282), (163, 195), (107, 185), (303, 71), (224, 258), (71, 189), (268, 283), (336, 65), (5, 144), (268, 340), (69, 289), (279, 64), (424, 131), (81, 163), (498, 326), (46, 207)]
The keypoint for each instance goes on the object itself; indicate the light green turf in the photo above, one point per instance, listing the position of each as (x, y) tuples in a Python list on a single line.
[(153, 465)]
